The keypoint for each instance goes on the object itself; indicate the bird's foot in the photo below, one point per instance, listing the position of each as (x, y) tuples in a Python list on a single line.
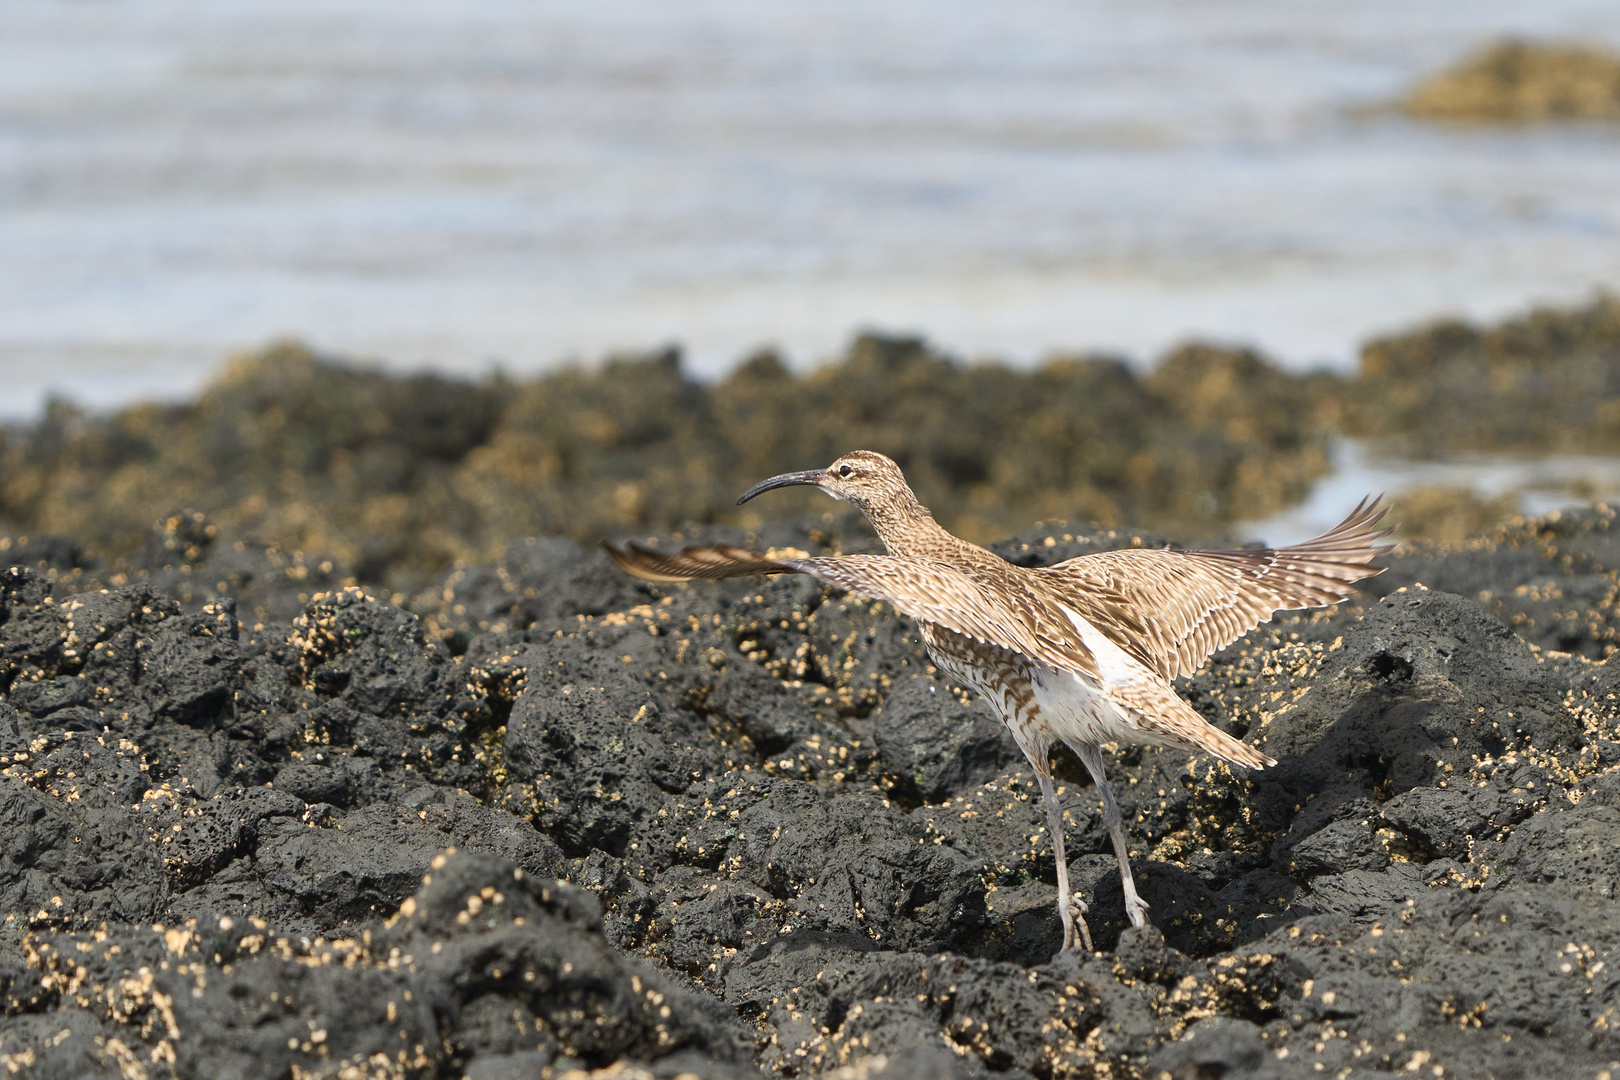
[(1077, 915), (1136, 908)]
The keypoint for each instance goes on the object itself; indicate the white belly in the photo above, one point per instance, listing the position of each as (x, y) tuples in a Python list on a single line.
[(1039, 704), (1077, 711)]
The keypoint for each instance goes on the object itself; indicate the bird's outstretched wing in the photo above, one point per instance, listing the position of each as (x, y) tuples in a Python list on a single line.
[(1170, 610), (695, 563), (925, 589)]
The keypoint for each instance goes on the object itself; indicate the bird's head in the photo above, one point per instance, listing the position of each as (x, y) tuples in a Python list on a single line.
[(868, 480)]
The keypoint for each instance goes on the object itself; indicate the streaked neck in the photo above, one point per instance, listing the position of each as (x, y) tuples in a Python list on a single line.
[(907, 528)]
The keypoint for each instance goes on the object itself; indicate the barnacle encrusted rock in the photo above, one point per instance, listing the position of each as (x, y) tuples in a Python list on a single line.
[(724, 829)]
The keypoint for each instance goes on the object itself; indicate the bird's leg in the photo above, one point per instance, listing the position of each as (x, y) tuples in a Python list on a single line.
[(1135, 906), (1071, 911)]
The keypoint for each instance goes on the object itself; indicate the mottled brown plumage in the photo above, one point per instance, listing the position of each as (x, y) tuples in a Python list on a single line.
[(1082, 652)]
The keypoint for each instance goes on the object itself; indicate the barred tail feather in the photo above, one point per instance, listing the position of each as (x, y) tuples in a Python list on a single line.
[(1163, 715)]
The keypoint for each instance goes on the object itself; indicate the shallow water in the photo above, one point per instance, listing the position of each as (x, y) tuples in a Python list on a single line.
[(1540, 485), (456, 185)]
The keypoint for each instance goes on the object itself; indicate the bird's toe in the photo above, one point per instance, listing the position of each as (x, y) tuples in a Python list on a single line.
[(1137, 910)]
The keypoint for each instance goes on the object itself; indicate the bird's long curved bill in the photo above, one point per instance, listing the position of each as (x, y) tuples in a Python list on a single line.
[(809, 476)]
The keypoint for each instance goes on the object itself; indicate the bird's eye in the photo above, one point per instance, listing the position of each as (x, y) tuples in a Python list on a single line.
[(844, 470)]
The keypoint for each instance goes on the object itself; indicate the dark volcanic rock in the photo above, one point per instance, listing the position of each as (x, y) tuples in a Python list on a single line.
[(597, 752), (941, 745), (1425, 688), (1554, 580), (485, 964), (835, 862), (537, 581), (743, 827), (191, 665)]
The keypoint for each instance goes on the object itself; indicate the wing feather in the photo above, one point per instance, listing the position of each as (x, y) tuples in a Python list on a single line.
[(925, 589), (694, 563), (1171, 609)]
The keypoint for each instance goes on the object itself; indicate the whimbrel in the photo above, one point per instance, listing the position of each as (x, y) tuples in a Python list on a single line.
[(1083, 651)]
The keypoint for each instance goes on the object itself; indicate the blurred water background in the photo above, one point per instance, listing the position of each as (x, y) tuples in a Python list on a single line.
[(1507, 484), (455, 185), (520, 184)]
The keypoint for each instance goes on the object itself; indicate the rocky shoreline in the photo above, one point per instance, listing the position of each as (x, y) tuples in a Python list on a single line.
[(1522, 82), (263, 825), (400, 477)]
